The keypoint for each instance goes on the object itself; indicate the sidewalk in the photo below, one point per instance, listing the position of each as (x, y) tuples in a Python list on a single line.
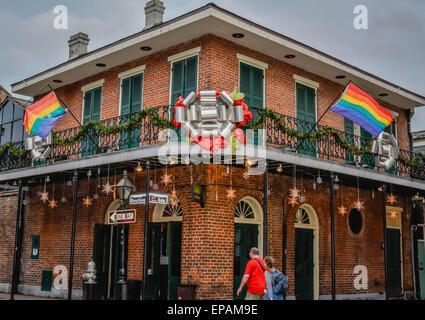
[(6, 296)]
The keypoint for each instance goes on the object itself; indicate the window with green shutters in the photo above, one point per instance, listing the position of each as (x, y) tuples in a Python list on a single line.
[(184, 80), (251, 81), (350, 138), (91, 111), (131, 103), (306, 114), (360, 142)]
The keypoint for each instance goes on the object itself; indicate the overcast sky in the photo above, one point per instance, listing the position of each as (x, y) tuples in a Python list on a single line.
[(393, 47)]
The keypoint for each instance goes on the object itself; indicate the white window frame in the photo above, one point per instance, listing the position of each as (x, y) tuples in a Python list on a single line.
[(128, 74), (89, 87)]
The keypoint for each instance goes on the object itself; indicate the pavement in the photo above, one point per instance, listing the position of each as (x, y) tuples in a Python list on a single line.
[(6, 296)]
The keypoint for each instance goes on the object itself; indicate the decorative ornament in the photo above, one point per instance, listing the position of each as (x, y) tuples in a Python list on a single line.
[(336, 187), (230, 194), (107, 188), (359, 205), (166, 179), (319, 179), (25, 202), (64, 199), (293, 201), (342, 210), (96, 196), (87, 201), (392, 199), (246, 175), (69, 183), (314, 186), (294, 192), (302, 198), (173, 193), (210, 118), (53, 204), (44, 196), (393, 215)]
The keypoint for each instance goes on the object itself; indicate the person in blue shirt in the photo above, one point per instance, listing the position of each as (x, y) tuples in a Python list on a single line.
[(270, 270)]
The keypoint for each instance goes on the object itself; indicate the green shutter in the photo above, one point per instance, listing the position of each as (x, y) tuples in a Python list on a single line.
[(177, 86), (91, 111), (368, 159), (125, 97), (349, 137), (46, 280), (35, 250), (136, 93), (306, 114), (191, 76)]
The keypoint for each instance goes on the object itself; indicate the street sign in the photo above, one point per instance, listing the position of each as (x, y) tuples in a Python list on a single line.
[(154, 198), (122, 216)]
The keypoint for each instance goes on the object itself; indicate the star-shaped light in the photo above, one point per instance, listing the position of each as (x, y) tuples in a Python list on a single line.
[(96, 196), (107, 188), (44, 196), (293, 201), (342, 210), (391, 199), (294, 192), (231, 193), (246, 175), (87, 201), (53, 204), (319, 180), (302, 198), (166, 179), (64, 199), (155, 187), (174, 202), (359, 205), (393, 215)]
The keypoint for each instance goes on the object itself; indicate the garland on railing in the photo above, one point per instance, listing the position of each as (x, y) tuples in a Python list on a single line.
[(151, 113)]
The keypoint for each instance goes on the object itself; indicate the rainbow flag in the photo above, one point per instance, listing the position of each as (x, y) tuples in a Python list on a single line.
[(361, 108), (42, 116)]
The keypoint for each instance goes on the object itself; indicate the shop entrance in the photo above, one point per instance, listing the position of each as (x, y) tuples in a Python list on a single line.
[(164, 253)]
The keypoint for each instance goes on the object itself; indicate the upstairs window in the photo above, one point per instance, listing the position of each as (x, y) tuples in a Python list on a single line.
[(11, 123)]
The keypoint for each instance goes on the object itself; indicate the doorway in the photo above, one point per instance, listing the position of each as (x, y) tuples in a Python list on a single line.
[(164, 253), (394, 257), (306, 254)]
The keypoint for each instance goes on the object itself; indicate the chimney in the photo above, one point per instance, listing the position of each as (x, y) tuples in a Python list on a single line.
[(78, 44), (154, 11)]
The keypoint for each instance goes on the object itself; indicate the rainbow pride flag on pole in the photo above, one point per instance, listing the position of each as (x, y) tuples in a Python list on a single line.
[(42, 116), (361, 108)]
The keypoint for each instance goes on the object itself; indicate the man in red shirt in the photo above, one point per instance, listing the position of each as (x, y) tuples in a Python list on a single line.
[(254, 277)]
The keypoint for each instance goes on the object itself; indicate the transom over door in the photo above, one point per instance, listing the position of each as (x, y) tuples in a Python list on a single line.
[(252, 85), (306, 116)]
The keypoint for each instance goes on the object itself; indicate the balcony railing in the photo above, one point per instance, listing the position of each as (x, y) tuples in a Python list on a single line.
[(146, 133)]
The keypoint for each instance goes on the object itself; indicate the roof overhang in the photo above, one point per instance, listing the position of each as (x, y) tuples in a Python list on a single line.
[(211, 19)]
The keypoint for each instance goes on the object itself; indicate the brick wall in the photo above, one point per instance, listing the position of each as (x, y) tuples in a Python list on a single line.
[(208, 234)]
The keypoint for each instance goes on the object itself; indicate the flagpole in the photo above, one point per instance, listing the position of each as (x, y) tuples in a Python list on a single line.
[(321, 117), (64, 104)]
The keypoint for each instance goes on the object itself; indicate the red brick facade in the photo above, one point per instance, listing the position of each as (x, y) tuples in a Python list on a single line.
[(208, 233)]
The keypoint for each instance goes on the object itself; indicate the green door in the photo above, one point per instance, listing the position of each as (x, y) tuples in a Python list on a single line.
[(304, 264), (252, 85), (115, 292), (246, 237), (394, 262), (131, 103), (184, 80), (421, 264), (174, 245), (91, 111), (101, 255), (152, 258), (306, 114)]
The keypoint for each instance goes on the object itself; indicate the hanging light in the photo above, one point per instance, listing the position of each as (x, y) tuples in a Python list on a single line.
[(139, 167), (172, 162), (47, 179), (417, 196), (249, 163), (336, 179), (124, 187), (380, 189), (280, 169)]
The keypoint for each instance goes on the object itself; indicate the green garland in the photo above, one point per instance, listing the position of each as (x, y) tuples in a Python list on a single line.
[(98, 128)]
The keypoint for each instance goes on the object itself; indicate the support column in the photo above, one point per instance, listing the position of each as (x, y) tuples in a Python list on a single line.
[(145, 231), (74, 222), (265, 197), (332, 213), (384, 226), (18, 241)]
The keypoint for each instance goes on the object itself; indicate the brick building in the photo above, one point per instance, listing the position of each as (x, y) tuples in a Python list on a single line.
[(371, 253)]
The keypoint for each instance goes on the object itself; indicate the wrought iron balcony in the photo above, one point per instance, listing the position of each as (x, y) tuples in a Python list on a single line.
[(146, 133)]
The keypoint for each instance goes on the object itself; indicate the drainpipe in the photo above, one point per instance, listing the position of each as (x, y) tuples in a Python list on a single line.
[(18, 241), (332, 212), (145, 231), (74, 222), (384, 226)]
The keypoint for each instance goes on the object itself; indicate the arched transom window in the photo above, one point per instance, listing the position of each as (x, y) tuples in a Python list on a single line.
[(172, 211), (244, 211), (302, 217), (166, 213)]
